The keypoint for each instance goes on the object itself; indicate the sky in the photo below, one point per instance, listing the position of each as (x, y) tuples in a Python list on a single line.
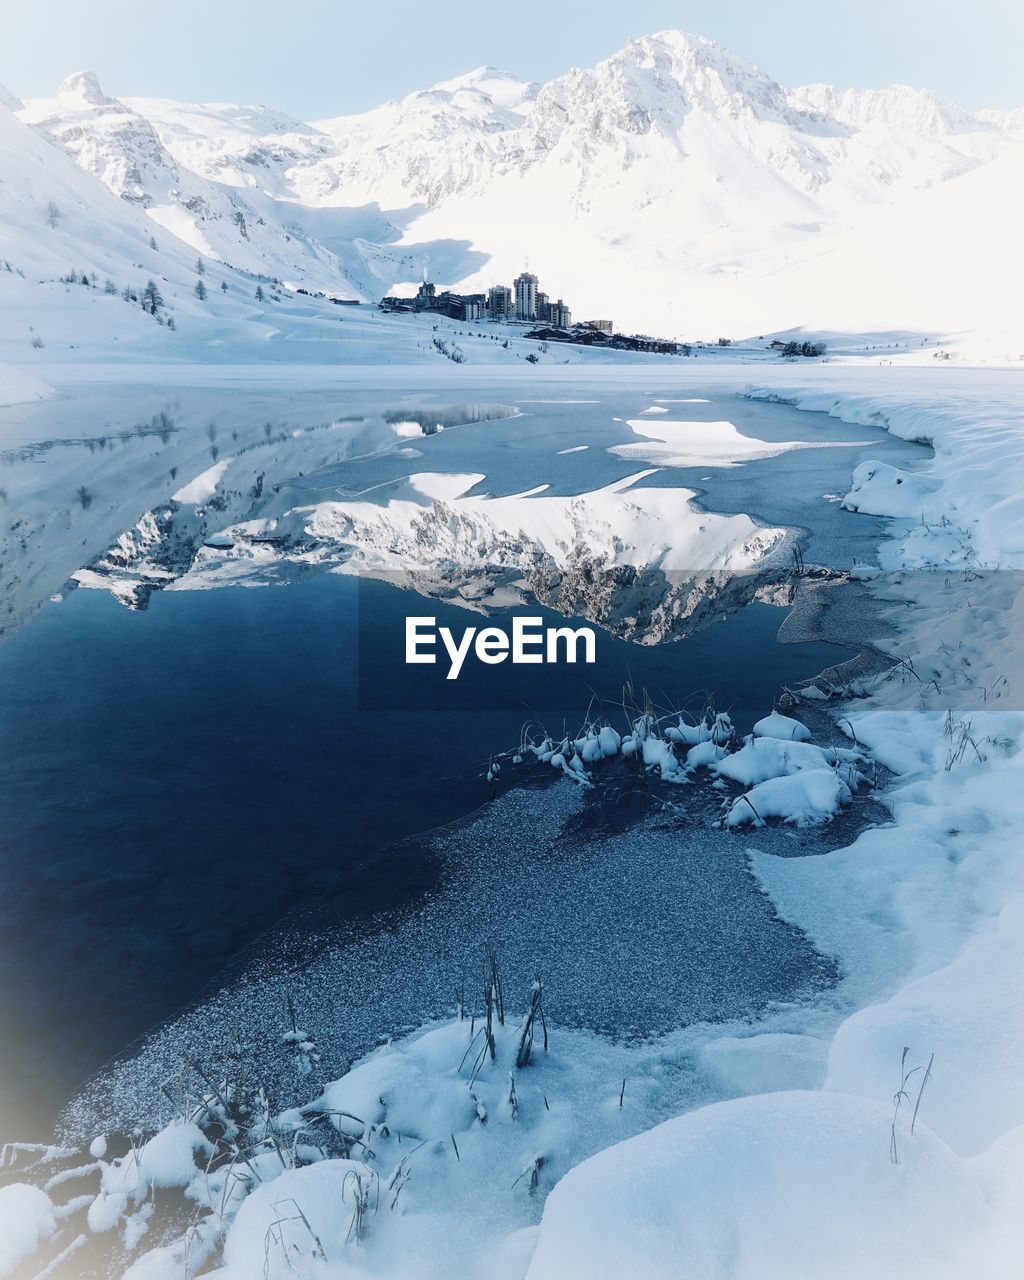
[(316, 58)]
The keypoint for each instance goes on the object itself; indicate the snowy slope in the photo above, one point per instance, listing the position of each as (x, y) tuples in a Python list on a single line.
[(104, 228), (91, 232), (210, 206)]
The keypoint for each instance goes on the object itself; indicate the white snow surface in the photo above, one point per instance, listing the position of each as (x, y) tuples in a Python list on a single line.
[(26, 1220), (777, 725), (771, 210), (204, 486), (19, 387), (779, 1186), (927, 916), (688, 444)]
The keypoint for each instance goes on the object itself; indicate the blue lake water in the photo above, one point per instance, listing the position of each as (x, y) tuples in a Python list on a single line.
[(174, 782)]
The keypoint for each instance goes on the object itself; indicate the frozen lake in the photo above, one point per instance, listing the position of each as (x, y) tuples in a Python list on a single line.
[(175, 781)]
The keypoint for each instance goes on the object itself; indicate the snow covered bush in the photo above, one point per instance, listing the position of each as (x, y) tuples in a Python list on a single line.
[(789, 777)]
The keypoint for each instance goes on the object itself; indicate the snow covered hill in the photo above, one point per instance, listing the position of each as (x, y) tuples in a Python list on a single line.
[(673, 187), (194, 176), (60, 227)]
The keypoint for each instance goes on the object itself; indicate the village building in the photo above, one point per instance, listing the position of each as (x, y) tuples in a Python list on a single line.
[(524, 301)]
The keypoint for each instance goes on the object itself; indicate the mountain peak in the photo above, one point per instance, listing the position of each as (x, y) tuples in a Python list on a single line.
[(502, 87), (669, 73), (692, 51), (82, 89)]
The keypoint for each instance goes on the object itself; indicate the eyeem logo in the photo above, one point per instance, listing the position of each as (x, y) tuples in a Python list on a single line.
[(530, 642)]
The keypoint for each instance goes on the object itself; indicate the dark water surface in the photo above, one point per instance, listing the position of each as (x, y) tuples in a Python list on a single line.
[(173, 781)]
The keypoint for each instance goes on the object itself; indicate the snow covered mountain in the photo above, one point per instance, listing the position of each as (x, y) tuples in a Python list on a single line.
[(203, 191), (63, 237), (900, 107), (673, 186)]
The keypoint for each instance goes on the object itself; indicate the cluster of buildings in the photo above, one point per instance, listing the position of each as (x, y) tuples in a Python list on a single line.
[(524, 301)]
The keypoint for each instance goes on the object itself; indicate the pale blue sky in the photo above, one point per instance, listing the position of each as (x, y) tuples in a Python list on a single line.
[(326, 57)]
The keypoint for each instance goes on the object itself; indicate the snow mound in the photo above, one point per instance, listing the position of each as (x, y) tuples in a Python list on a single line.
[(296, 1212), (973, 1098), (787, 1186), (167, 1160), (803, 799), (762, 758), (26, 1219), (881, 490), (779, 726)]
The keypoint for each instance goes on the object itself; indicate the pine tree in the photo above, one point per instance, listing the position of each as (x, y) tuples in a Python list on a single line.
[(200, 291), (52, 214), (223, 286), (259, 293), (152, 242), (152, 299), (200, 267)]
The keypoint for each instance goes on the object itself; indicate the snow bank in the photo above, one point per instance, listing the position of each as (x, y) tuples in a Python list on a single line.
[(299, 1218), (762, 758), (429, 1156), (797, 781), (962, 1013), (171, 1158), (786, 1186), (925, 916), (977, 432)]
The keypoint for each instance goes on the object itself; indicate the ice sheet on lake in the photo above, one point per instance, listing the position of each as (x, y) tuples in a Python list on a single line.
[(680, 443)]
